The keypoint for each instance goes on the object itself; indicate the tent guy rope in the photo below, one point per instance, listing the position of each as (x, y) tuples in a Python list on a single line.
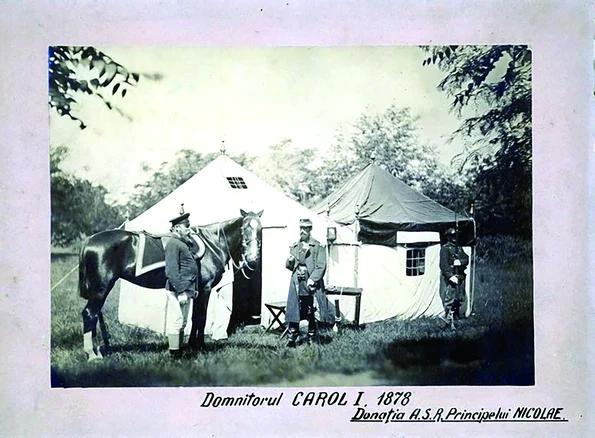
[(64, 278)]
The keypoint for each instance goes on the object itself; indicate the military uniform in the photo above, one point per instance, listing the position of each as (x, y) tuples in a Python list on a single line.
[(181, 270), (451, 293), (307, 261)]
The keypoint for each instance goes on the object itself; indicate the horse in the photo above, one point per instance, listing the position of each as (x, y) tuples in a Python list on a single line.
[(111, 255)]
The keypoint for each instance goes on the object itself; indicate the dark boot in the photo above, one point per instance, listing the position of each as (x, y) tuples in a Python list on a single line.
[(456, 308), (176, 354), (292, 334), (312, 332)]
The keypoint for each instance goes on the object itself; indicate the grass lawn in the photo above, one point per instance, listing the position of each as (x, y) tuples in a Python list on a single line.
[(492, 347)]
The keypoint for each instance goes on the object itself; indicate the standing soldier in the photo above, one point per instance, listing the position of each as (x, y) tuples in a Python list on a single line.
[(181, 270), (307, 261), (453, 262)]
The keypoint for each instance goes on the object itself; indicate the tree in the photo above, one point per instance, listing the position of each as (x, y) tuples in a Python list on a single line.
[(76, 71), (78, 208), (491, 91), (288, 169), (170, 176), (391, 139)]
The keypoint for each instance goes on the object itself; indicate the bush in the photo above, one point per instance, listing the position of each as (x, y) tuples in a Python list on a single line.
[(503, 250)]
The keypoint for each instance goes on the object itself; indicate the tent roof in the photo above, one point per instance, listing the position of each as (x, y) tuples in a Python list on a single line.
[(218, 192), (385, 202)]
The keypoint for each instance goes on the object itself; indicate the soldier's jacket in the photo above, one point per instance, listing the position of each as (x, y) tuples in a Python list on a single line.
[(181, 268), (314, 259), (448, 254)]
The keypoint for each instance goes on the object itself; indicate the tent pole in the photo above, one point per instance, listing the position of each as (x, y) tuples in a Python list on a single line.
[(327, 274), (472, 285), (356, 258)]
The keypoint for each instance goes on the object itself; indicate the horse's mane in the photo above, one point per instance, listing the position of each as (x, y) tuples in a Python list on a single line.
[(216, 226)]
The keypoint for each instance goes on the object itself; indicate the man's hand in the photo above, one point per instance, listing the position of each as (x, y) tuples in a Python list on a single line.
[(310, 283), (454, 279), (457, 262)]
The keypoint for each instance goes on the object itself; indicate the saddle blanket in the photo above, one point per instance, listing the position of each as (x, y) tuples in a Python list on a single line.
[(151, 251)]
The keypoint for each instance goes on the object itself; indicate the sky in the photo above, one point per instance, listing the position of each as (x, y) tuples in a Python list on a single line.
[(251, 98)]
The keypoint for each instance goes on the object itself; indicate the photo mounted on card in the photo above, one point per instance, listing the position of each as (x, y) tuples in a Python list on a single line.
[(291, 217)]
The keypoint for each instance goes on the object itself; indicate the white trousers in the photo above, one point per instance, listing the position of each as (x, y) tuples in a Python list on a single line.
[(177, 314)]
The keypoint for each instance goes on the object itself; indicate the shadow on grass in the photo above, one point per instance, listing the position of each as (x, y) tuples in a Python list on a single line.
[(498, 357)]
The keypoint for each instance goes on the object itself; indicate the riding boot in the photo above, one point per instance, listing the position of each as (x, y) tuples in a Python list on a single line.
[(292, 334), (456, 306), (312, 332)]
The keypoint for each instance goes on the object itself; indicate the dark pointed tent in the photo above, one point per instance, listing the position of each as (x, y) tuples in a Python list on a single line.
[(383, 205), (396, 257)]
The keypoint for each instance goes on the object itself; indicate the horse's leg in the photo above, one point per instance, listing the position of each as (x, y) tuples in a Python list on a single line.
[(194, 328), (199, 319), (104, 332), (90, 328)]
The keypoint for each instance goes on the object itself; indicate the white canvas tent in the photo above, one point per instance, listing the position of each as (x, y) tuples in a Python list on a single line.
[(397, 263), (215, 194)]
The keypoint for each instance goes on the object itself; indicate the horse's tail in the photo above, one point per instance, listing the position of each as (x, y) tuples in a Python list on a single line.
[(83, 273)]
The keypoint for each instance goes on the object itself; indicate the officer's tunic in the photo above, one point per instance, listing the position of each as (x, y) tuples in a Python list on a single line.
[(451, 293), (181, 270), (313, 257)]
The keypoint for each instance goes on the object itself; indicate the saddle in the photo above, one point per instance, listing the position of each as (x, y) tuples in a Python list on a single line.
[(151, 250)]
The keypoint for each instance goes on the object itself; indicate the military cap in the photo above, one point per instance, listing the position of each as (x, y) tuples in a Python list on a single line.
[(450, 232), (305, 223), (180, 219)]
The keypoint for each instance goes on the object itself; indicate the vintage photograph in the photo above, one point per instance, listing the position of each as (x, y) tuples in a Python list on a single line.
[(291, 216)]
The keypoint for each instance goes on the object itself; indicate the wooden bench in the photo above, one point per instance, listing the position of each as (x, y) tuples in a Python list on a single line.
[(350, 292)]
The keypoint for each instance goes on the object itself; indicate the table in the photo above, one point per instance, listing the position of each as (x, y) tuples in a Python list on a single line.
[(277, 309), (350, 292)]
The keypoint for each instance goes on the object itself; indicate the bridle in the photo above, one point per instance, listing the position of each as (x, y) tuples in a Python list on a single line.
[(243, 264)]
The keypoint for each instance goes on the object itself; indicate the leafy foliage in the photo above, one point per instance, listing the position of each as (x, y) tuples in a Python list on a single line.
[(76, 71), (289, 169), (491, 91), (391, 139), (78, 208)]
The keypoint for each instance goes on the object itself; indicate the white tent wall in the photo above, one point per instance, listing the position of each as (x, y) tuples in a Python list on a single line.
[(387, 290), (146, 308)]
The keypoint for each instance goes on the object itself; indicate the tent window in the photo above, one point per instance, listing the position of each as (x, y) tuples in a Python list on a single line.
[(237, 182), (416, 262)]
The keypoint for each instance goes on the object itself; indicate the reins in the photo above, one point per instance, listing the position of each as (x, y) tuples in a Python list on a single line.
[(242, 265)]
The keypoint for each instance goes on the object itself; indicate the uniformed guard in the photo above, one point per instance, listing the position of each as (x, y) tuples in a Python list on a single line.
[(453, 262), (181, 270), (307, 261)]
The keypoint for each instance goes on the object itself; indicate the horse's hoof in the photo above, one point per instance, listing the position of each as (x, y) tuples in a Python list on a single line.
[(197, 347), (94, 358)]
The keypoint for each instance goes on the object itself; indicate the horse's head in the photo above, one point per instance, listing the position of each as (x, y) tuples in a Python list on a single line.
[(251, 238)]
